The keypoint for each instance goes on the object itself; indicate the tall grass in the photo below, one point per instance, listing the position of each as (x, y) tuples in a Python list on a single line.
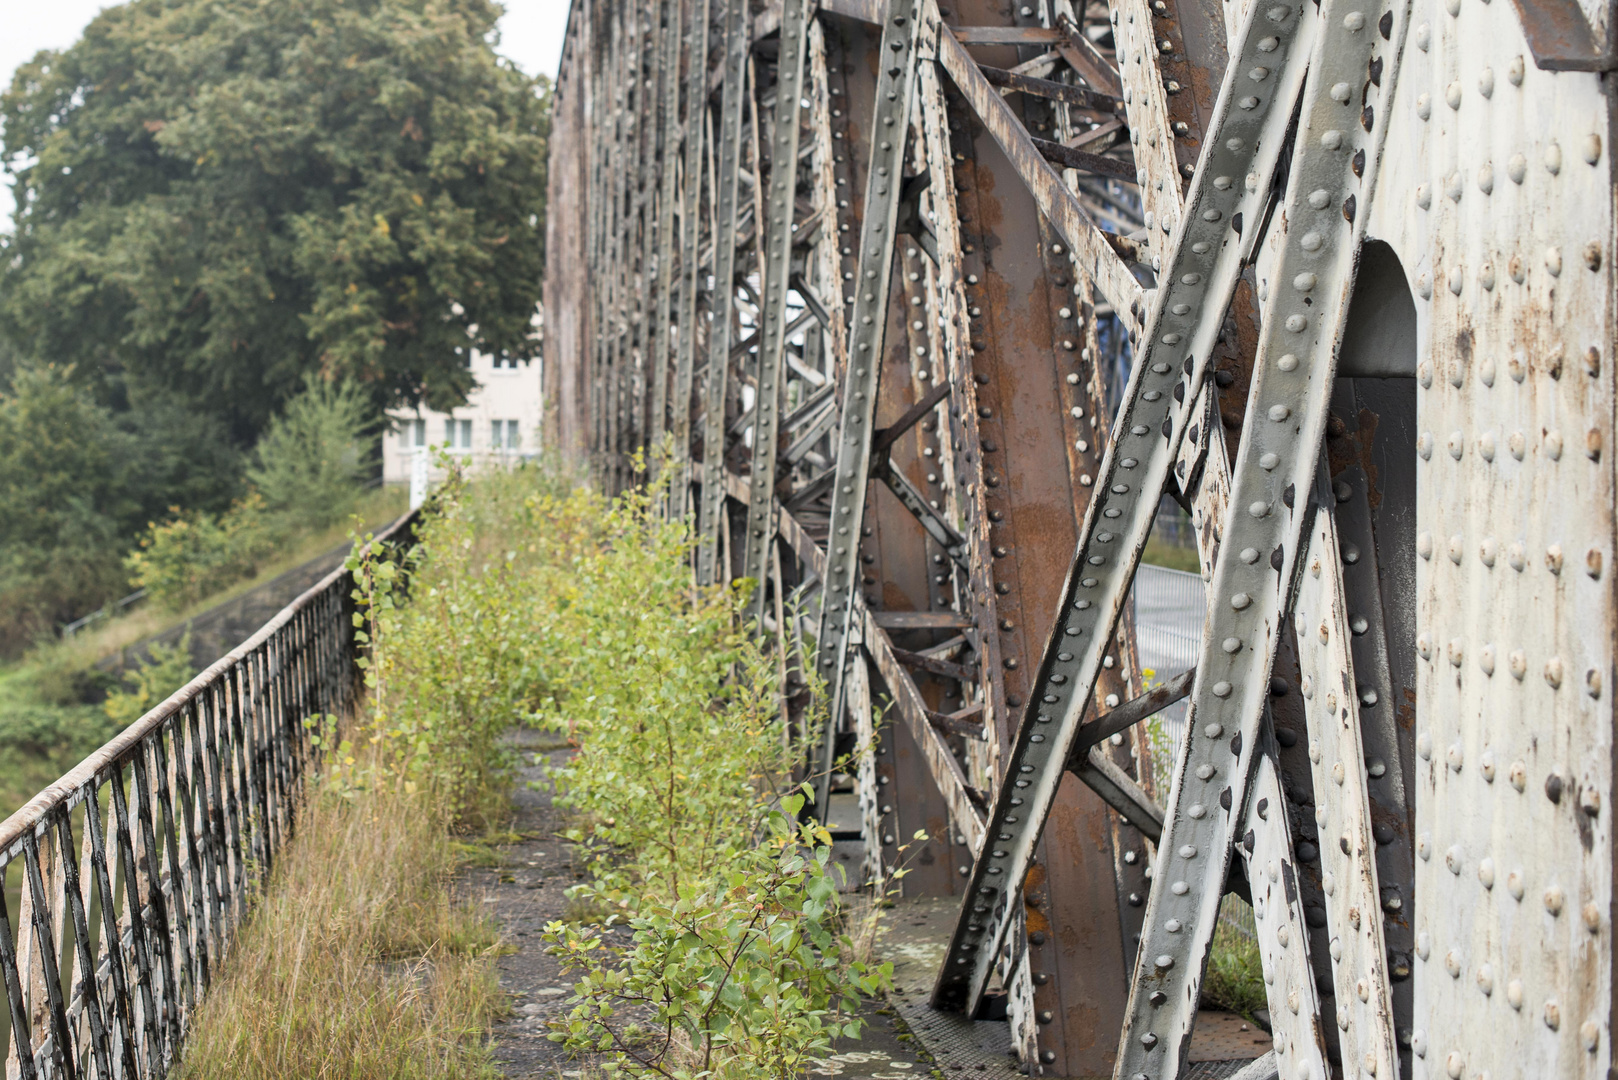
[(357, 963)]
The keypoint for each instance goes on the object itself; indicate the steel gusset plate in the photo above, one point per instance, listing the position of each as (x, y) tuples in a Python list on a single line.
[(1226, 201)]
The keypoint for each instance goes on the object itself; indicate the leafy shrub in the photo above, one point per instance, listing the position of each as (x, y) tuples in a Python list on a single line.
[(745, 973), (530, 603), (196, 554), (167, 669), (42, 731), (310, 459)]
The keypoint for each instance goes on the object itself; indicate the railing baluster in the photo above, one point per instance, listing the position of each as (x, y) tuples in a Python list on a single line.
[(204, 902), (162, 933), (21, 1050), (215, 829), (129, 878), (45, 950), (119, 1015), (180, 927)]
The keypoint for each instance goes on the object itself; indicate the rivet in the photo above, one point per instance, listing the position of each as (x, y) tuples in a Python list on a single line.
[(1288, 362), (1485, 979), (1486, 659), (1514, 72), (1514, 994), (1553, 261), (1452, 964), (1424, 745), (1515, 268), (1486, 179), (1424, 289), (1553, 1015), (1517, 168), (1486, 279), (1424, 646), (1452, 859), (1452, 95), (1592, 682), (1553, 158), (1591, 149), (1455, 757), (1454, 1064), (1592, 917), (1424, 106), (1517, 773), (1424, 945), (1516, 554), (1553, 672), (1553, 558), (1486, 873), (1424, 36), (1424, 544), (1453, 189), (1424, 196)]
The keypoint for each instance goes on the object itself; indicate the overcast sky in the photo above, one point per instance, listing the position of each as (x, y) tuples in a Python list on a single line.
[(531, 34)]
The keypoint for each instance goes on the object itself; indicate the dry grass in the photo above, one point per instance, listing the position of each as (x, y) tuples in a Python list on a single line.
[(358, 962)]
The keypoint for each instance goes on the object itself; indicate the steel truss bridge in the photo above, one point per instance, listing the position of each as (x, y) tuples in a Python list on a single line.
[(937, 300)]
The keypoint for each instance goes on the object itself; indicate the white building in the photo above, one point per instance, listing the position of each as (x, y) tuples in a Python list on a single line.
[(499, 422)]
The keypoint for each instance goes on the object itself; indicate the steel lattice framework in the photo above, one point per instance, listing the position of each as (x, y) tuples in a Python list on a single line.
[(935, 304)]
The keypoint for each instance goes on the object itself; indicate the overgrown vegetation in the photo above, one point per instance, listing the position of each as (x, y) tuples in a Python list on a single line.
[(528, 603), (738, 964)]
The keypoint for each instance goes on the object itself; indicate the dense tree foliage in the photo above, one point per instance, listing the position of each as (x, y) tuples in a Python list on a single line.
[(221, 204), (217, 196)]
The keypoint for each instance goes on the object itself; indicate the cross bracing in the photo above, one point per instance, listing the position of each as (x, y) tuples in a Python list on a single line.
[(935, 303)]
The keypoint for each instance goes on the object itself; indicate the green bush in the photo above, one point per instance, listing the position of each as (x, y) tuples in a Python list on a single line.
[(311, 458), (168, 669), (530, 603), (196, 554)]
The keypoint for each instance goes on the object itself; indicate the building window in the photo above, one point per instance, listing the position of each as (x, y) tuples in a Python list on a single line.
[(412, 434), (505, 363), (505, 436), (457, 434)]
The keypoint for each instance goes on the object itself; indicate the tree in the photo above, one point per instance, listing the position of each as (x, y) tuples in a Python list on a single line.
[(311, 458), (218, 196), (62, 503)]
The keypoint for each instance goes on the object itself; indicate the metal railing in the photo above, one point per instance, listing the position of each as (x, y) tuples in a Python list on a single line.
[(136, 867)]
